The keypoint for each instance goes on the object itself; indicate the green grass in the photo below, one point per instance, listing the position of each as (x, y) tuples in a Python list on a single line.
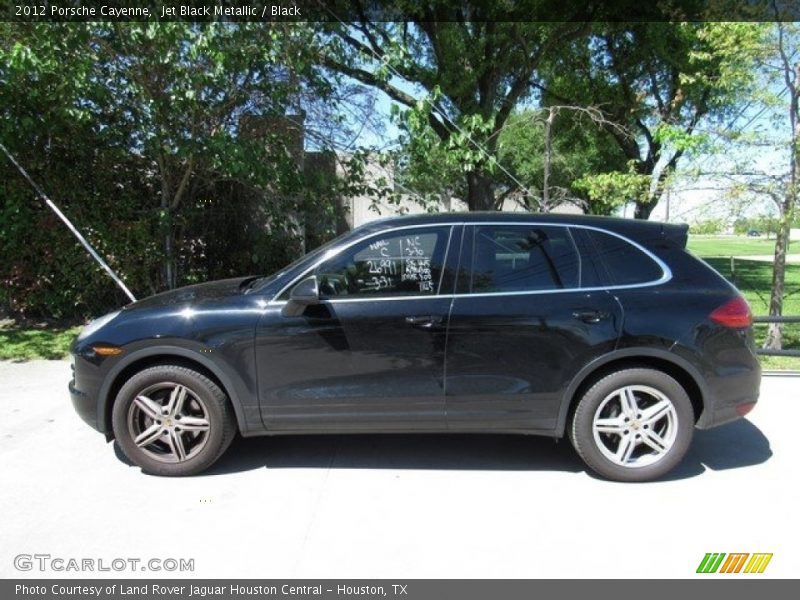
[(28, 343), (754, 280), (727, 245)]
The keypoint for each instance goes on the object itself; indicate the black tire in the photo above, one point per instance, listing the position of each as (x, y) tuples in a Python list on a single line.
[(206, 406), (677, 425)]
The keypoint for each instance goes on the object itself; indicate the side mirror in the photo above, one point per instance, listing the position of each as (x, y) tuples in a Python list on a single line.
[(303, 294)]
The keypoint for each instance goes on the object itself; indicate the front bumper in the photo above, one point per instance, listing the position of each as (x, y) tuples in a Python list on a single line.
[(84, 390)]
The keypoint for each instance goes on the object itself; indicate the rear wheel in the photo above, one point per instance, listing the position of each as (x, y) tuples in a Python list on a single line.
[(171, 420), (633, 425)]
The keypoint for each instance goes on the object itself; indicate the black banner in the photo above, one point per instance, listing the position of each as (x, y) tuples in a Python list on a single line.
[(416, 589), (397, 10)]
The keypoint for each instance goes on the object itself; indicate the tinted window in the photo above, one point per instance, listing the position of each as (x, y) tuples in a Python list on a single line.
[(407, 262), (508, 258), (624, 262)]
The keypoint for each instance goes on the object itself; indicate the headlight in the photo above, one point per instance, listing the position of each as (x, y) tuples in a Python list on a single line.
[(95, 325)]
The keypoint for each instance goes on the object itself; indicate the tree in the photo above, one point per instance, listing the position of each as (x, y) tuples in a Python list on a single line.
[(552, 150), (200, 98), (785, 43), (166, 143), (663, 80), (473, 71)]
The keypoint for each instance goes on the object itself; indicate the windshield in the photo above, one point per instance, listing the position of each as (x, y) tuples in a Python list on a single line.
[(265, 280)]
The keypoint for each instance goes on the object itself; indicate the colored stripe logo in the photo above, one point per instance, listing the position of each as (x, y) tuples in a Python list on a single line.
[(735, 562)]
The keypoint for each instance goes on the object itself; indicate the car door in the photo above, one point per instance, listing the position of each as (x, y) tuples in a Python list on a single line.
[(524, 320), (370, 355)]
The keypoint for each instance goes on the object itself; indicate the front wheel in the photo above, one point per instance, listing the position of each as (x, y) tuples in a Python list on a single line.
[(171, 420), (633, 425)]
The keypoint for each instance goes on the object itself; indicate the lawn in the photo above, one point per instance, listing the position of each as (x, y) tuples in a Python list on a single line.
[(27, 343), (754, 279), (729, 245)]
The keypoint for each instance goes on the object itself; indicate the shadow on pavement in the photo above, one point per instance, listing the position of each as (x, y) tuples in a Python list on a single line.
[(732, 446), (400, 451), (736, 445)]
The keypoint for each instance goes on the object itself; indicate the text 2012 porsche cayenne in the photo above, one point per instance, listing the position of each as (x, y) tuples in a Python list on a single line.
[(604, 330)]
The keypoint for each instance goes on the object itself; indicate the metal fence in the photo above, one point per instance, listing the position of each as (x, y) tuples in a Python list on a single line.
[(784, 319)]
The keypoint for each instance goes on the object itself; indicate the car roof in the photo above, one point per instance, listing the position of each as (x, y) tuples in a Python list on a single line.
[(636, 228)]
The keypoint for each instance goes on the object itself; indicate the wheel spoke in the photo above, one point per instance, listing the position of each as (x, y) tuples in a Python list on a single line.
[(176, 444), (613, 425), (149, 407), (655, 441), (193, 424), (628, 402), (625, 449), (176, 400), (653, 413), (149, 435)]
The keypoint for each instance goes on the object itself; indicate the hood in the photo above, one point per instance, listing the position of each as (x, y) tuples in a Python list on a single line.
[(198, 294)]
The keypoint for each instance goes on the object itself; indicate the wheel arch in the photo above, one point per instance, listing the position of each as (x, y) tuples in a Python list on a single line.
[(679, 368), (162, 355)]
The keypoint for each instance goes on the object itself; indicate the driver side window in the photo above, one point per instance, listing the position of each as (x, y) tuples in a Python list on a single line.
[(397, 263)]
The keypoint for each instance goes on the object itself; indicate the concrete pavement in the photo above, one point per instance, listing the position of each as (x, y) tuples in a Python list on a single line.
[(391, 506)]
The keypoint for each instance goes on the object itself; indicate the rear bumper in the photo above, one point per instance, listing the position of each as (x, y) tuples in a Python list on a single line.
[(730, 395)]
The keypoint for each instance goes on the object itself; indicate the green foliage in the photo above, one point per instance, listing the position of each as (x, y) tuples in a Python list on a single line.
[(143, 133), (612, 189), (708, 227), (473, 75), (662, 80), (765, 224), (580, 151)]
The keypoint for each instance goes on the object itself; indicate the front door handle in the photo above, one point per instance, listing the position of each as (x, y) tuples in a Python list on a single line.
[(590, 316), (427, 322)]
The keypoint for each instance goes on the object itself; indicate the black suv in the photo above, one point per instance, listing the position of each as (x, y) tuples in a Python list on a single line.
[(605, 330)]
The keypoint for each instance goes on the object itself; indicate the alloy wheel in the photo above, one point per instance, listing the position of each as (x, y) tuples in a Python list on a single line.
[(168, 422), (635, 426)]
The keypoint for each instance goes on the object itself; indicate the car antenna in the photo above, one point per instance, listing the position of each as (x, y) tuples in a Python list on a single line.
[(69, 225)]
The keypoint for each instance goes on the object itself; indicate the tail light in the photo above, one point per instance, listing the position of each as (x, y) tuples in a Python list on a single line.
[(734, 314)]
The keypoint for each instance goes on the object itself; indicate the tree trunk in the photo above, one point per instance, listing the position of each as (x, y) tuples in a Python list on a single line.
[(480, 191), (643, 210), (548, 154), (170, 276), (774, 339)]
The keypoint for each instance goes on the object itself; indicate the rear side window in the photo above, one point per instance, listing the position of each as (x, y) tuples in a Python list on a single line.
[(615, 260), (511, 258)]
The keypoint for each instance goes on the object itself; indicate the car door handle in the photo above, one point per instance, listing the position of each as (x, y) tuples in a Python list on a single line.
[(590, 316), (427, 322)]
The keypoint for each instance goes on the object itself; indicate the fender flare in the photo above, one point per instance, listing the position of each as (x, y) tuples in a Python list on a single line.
[(624, 353), (166, 351)]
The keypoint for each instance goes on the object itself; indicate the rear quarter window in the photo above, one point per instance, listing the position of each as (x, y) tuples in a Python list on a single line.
[(612, 260)]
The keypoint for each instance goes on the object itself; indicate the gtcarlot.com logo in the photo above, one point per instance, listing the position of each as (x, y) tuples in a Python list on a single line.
[(735, 562), (47, 562)]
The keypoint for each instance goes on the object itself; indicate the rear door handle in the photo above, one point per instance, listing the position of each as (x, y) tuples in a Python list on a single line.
[(427, 322), (590, 316)]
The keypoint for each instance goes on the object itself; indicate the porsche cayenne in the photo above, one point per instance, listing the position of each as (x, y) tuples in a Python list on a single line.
[(603, 330)]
